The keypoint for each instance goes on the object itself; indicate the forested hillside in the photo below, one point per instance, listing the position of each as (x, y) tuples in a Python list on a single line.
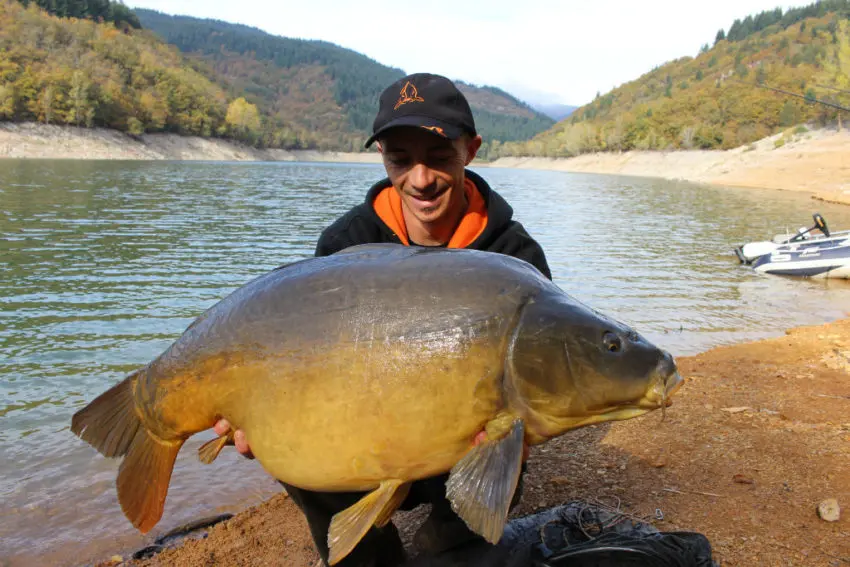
[(75, 71), (317, 86), (97, 10), (726, 96)]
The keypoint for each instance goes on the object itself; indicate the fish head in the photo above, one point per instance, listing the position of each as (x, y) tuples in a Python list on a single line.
[(572, 366)]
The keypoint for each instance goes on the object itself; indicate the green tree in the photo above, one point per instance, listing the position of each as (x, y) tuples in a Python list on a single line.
[(7, 102), (243, 118), (47, 104), (789, 115), (82, 110), (811, 96)]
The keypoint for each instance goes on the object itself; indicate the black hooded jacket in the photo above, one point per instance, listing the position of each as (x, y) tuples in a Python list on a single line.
[(362, 225)]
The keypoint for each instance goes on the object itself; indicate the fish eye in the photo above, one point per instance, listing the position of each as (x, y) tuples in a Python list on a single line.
[(611, 342)]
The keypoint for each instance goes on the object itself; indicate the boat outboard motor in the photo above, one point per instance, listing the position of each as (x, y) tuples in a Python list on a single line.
[(820, 224)]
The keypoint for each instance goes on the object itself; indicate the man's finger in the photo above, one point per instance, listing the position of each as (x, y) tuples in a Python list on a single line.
[(221, 427), (241, 442)]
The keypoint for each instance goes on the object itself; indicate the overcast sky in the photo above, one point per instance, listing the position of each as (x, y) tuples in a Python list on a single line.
[(539, 50)]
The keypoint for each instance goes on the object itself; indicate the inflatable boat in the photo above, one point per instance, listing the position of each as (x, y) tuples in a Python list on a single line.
[(806, 254)]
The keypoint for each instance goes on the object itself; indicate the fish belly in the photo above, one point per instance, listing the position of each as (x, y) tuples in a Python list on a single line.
[(346, 421)]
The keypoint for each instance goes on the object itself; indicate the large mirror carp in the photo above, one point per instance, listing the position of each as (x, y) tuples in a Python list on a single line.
[(375, 367)]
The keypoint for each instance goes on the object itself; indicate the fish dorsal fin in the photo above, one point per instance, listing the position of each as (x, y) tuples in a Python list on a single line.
[(208, 452), (349, 526), (482, 484)]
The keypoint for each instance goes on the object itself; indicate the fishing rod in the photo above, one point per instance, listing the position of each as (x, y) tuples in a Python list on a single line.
[(789, 93)]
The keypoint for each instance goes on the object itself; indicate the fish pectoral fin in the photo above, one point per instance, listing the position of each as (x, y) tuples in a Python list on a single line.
[(482, 484), (349, 526), (208, 452)]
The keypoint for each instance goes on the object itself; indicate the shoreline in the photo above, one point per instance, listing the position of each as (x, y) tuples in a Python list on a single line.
[(30, 140), (816, 161), (753, 442)]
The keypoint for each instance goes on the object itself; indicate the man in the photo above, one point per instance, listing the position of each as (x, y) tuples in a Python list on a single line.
[(426, 136)]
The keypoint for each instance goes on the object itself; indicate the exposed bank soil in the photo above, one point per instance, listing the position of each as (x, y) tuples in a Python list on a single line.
[(756, 438), (816, 162), (42, 141)]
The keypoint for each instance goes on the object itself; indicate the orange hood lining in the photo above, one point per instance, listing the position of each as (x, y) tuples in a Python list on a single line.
[(388, 207)]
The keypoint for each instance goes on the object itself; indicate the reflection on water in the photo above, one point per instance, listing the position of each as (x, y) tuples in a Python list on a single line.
[(104, 264)]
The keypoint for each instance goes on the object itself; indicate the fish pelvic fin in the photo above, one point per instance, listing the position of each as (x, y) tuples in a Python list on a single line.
[(208, 452), (482, 484), (111, 424), (376, 508)]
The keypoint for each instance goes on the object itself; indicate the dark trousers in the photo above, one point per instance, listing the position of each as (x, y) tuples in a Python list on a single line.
[(380, 547)]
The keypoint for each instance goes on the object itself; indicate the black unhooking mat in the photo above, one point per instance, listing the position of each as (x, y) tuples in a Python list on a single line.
[(579, 534)]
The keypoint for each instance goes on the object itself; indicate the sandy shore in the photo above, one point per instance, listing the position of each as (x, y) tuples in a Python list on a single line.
[(817, 162), (40, 141), (757, 437)]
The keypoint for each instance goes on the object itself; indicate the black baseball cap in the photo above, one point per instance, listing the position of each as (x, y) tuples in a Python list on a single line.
[(425, 100)]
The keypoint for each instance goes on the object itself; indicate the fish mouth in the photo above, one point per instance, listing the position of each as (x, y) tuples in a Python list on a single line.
[(657, 396), (660, 393)]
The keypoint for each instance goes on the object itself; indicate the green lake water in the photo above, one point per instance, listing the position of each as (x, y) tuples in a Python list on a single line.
[(104, 264)]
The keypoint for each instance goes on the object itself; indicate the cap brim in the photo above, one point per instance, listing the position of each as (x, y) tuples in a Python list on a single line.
[(436, 127)]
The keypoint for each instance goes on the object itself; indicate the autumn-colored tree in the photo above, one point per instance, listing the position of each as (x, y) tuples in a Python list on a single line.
[(243, 119)]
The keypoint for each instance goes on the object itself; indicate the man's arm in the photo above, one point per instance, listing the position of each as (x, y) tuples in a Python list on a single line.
[(351, 229)]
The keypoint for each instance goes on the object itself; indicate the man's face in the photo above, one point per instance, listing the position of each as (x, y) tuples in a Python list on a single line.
[(428, 171)]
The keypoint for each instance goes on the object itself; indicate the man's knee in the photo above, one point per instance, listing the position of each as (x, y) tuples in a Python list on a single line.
[(380, 547)]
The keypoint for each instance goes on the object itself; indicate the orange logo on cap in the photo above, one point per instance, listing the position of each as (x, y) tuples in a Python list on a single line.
[(436, 130), (408, 94)]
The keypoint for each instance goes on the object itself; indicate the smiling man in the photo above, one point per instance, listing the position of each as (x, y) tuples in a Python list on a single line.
[(426, 135)]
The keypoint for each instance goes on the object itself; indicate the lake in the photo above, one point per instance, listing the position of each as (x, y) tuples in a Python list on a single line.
[(104, 264)]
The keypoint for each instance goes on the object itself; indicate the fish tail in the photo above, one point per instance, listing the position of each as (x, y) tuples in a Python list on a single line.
[(111, 424)]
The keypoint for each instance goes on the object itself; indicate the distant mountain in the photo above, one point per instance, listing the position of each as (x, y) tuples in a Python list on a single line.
[(318, 88), (768, 77), (556, 112)]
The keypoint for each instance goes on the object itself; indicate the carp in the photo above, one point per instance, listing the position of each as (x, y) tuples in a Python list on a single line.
[(375, 367)]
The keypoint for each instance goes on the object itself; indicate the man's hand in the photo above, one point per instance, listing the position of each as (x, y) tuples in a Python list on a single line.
[(222, 428)]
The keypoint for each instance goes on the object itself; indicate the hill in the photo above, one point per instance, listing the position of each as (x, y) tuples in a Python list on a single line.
[(96, 10), (726, 96), (316, 86), (88, 64), (58, 70)]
